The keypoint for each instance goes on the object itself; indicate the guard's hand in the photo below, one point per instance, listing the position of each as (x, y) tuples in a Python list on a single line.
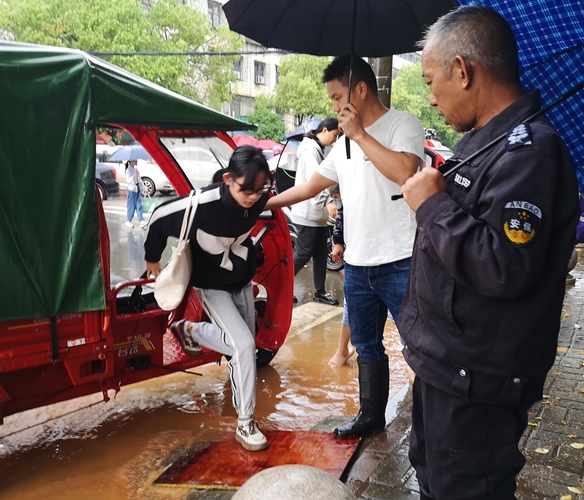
[(337, 253), (350, 121), (153, 269), (421, 186)]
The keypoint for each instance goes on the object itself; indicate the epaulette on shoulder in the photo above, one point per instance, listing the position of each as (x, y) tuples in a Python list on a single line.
[(518, 136)]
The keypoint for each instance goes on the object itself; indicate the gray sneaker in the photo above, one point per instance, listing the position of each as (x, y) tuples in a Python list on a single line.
[(182, 331), (250, 436)]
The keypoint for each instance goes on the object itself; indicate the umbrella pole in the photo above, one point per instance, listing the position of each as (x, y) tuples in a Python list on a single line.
[(570, 93), (347, 140), (574, 90)]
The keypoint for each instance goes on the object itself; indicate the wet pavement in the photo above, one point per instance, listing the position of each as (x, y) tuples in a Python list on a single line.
[(553, 442), (115, 450)]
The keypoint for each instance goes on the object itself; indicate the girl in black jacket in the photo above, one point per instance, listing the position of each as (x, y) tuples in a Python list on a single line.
[(224, 263)]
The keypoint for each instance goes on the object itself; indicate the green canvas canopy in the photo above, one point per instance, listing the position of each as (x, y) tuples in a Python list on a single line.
[(51, 100)]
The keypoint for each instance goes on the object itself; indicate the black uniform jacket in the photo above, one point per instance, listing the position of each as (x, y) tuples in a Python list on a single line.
[(224, 257), (482, 310)]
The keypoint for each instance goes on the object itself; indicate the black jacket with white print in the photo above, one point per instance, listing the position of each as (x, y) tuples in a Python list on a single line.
[(224, 257)]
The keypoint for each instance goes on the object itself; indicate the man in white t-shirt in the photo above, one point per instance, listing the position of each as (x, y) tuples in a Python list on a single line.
[(386, 148)]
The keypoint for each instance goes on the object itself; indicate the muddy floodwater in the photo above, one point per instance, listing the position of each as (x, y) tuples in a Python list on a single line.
[(88, 449)]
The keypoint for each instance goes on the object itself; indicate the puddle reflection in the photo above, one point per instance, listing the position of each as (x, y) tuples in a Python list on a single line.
[(115, 450)]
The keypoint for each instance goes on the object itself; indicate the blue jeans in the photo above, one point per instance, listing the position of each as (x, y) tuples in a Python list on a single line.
[(370, 292), (134, 204)]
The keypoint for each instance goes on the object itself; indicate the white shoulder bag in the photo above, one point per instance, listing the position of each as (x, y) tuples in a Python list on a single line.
[(172, 283)]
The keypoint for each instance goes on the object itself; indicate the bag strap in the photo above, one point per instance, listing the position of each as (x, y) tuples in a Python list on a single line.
[(185, 222), (194, 205)]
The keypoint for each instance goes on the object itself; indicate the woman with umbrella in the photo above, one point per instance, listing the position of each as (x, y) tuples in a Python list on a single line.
[(134, 190)]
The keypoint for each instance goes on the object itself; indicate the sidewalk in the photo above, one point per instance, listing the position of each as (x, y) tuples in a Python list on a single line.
[(553, 442)]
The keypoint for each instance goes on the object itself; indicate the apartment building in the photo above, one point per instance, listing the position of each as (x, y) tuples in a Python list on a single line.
[(257, 68)]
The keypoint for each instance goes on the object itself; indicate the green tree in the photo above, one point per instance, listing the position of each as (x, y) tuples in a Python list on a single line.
[(270, 124), (410, 93), (125, 26), (300, 90)]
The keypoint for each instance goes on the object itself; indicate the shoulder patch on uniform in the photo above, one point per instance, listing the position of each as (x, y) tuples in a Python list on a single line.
[(521, 221), (462, 180), (518, 136)]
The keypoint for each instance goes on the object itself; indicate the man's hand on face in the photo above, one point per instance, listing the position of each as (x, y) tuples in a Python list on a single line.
[(350, 121), (421, 186)]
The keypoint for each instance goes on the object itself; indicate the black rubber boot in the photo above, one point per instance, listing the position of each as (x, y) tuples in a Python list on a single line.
[(373, 394)]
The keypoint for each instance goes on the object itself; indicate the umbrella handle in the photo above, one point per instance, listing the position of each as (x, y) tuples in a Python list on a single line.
[(354, 32), (347, 140), (577, 88)]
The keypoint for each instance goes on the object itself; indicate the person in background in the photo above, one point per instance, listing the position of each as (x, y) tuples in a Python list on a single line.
[(135, 188), (224, 263), (482, 313), (344, 350), (386, 148), (310, 217)]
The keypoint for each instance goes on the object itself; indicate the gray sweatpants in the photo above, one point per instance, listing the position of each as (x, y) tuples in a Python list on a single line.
[(232, 317)]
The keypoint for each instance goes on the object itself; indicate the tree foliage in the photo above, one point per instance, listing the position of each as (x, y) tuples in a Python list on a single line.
[(410, 93), (125, 26), (300, 90), (270, 124)]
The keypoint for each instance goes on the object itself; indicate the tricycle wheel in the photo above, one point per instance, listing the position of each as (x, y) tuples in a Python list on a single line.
[(264, 357)]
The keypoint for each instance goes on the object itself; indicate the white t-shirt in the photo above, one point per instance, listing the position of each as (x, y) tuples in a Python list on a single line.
[(307, 213), (377, 230)]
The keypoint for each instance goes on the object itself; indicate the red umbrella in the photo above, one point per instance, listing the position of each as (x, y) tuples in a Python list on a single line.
[(267, 144), (242, 140), (264, 144)]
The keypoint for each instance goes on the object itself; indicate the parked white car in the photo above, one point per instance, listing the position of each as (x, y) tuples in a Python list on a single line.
[(199, 157), (153, 177)]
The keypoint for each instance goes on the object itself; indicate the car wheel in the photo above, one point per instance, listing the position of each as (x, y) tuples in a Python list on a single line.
[(150, 186), (102, 191)]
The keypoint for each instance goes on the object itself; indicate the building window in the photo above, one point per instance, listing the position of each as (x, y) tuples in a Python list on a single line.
[(236, 107), (259, 70), (277, 74), (237, 68), (214, 13), (411, 57)]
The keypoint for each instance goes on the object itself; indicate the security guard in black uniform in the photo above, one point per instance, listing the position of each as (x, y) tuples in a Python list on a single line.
[(482, 314)]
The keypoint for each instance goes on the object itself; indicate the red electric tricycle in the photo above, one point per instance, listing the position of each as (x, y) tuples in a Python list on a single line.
[(65, 329)]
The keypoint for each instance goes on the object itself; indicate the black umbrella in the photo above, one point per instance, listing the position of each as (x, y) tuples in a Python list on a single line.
[(364, 28), (325, 27)]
